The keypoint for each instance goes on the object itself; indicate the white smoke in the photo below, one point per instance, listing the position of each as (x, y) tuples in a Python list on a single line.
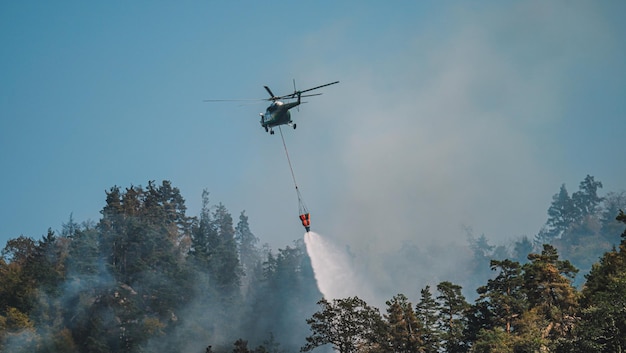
[(463, 126)]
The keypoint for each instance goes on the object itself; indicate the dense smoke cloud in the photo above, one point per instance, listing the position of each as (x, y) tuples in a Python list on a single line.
[(453, 133)]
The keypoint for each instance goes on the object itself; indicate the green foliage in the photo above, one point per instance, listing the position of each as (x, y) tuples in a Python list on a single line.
[(214, 252), (249, 254), (284, 296), (566, 211), (602, 326), (452, 316), (349, 324), (224, 263), (548, 287), (586, 199), (14, 320), (144, 230), (547, 280), (483, 252), (403, 328), (502, 300), (150, 278), (561, 214), (495, 340), (583, 226), (17, 290), (427, 313)]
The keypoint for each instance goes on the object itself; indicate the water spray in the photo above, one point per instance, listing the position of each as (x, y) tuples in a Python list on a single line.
[(334, 273)]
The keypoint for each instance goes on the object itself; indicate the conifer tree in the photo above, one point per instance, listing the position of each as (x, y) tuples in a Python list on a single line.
[(203, 238), (403, 329), (550, 294), (586, 199), (504, 294), (249, 254), (493, 318), (224, 260), (602, 326), (561, 215), (452, 316), (427, 313), (141, 233)]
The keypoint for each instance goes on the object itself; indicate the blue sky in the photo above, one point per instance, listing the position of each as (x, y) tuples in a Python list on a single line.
[(448, 115)]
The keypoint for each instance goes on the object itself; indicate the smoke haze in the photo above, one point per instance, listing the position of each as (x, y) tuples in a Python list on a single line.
[(446, 118), (454, 130)]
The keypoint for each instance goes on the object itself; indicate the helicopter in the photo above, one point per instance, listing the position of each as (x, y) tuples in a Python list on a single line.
[(278, 111)]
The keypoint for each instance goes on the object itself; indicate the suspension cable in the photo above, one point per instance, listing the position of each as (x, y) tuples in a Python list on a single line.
[(288, 159), (301, 206)]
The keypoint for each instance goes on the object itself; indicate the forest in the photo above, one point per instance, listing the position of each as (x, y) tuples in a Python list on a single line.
[(147, 277)]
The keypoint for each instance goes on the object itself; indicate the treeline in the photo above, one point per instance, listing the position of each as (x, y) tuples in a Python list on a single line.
[(147, 277), (581, 226), (530, 302), (524, 308)]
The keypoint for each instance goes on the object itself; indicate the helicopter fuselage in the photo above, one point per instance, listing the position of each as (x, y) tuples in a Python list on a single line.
[(278, 114)]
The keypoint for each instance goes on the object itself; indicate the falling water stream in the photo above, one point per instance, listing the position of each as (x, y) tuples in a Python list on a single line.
[(333, 271)]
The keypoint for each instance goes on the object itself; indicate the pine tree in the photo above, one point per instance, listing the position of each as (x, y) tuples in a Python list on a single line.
[(586, 199), (427, 313), (504, 294), (249, 254), (224, 259), (403, 329), (602, 326), (452, 316), (561, 215), (203, 236), (142, 237), (548, 287), (287, 293)]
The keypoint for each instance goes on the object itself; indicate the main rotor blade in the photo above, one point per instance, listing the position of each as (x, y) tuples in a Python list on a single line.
[(294, 95), (273, 97), (237, 100), (269, 91), (328, 84)]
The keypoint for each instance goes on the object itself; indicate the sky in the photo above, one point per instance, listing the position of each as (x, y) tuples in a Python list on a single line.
[(448, 116)]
